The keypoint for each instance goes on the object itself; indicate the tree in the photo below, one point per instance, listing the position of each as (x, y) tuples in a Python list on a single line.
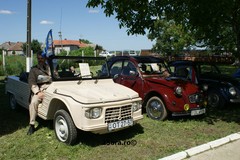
[(215, 22), (85, 41), (171, 38), (36, 46), (86, 51)]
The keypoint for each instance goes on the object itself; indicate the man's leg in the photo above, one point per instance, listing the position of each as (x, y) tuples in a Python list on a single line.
[(33, 113)]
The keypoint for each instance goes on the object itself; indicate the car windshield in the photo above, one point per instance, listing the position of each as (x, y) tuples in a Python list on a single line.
[(72, 67), (152, 68)]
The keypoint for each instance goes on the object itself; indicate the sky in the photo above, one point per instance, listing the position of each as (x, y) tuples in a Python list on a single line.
[(72, 18)]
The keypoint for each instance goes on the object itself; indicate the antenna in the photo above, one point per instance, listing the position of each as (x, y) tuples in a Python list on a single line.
[(60, 32)]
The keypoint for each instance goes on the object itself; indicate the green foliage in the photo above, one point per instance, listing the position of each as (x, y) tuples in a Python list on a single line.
[(171, 38), (85, 41), (216, 23), (87, 51), (35, 46), (2, 72), (14, 65)]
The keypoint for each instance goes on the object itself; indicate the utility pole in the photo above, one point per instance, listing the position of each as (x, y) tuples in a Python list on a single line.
[(29, 17)]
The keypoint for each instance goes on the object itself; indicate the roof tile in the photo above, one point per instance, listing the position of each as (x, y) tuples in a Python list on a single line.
[(70, 42)]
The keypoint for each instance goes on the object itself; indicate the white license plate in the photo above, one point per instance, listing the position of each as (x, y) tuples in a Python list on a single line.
[(120, 124), (198, 112)]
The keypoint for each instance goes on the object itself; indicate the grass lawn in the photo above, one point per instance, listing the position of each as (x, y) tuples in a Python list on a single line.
[(147, 140)]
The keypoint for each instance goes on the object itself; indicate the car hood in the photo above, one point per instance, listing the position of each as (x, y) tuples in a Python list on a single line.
[(220, 78), (92, 91), (173, 82)]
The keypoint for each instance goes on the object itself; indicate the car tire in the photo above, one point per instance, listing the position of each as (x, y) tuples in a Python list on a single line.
[(12, 101), (215, 100), (156, 109), (64, 128)]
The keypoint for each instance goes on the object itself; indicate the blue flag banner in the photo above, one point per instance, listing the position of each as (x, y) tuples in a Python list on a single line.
[(49, 50)]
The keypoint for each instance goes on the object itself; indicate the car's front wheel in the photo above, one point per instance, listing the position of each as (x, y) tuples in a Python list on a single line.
[(64, 127), (156, 109), (215, 100)]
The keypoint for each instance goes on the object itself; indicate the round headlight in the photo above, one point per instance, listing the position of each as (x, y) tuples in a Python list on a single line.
[(232, 91), (205, 87), (178, 90), (136, 106), (93, 113)]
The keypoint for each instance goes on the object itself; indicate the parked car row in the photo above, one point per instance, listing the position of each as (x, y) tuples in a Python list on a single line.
[(107, 94), (176, 94)]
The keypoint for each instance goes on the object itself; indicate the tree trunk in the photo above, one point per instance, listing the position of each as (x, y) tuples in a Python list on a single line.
[(238, 46)]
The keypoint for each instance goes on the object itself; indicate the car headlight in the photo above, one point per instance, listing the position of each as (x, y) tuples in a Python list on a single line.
[(178, 91), (196, 98), (193, 98), (93, 113), (136, 106), (232, 91), (205, 87)]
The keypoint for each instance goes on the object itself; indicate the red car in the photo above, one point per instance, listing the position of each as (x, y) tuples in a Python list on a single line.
[(162, 96)]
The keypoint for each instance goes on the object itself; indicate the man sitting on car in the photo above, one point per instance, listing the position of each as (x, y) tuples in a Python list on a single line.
[(39, 79)]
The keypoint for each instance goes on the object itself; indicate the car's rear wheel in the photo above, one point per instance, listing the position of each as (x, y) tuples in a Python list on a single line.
[(215, 100), (64, 127), (12, 101), (156, 109)]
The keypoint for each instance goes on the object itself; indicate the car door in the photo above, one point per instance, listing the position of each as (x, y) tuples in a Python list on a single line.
[(126, 73)]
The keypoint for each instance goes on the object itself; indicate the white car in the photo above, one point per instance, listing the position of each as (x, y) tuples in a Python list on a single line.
[(105, 54), (87, 100)]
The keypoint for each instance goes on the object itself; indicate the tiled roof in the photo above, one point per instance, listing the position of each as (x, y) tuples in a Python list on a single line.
[(70, 43), (12, 46), (16, 47), (7, 45)]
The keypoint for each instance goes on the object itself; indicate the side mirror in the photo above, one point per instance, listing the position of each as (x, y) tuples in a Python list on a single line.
[(43, 79), (132, 73), (115, 76)]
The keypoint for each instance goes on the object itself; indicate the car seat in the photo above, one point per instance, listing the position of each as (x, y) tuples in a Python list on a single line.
[(182, 72)]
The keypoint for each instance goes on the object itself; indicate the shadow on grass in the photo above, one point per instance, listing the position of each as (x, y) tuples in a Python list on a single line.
[(119, 137), (230, 113), (91, 139), (11, 120)]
